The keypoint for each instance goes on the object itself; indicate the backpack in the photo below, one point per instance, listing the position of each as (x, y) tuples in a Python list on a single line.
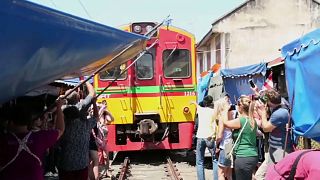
[(294, 166)]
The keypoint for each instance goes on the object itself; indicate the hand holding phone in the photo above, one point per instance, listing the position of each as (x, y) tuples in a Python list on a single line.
[(252, 83)]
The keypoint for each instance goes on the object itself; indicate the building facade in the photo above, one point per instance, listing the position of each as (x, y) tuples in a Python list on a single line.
[(255, 31)]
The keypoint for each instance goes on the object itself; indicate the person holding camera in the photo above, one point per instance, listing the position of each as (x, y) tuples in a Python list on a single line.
[(244, 135), (276, 126)]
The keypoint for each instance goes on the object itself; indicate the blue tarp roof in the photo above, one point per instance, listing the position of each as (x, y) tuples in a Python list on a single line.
[(236, 83), (39, 45), (245, 70), (302, 65)]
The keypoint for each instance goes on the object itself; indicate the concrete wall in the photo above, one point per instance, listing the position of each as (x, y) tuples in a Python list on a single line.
[(262, 27)]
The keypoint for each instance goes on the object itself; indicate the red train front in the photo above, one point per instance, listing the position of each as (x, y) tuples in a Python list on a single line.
[(151, 101)]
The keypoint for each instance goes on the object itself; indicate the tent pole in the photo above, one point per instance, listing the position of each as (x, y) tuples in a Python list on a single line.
[(288, 127)]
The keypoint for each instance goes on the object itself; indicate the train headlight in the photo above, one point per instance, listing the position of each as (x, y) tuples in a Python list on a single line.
[(137, 29), (186, 110), (149, 28)]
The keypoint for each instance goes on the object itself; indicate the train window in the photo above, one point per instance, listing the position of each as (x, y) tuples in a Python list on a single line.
[(144, 67), (176, 63), (113, 73)]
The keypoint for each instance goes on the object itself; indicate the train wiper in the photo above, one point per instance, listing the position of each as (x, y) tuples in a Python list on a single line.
[(173, 50)]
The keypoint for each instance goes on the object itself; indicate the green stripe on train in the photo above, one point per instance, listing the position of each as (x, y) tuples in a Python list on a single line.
[(148, 89)]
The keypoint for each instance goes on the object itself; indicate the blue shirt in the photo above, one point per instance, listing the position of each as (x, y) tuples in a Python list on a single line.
[(279, 118)]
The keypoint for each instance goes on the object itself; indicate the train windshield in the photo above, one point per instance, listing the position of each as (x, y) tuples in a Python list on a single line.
[(114, 73), (145, 65), (176, 63)]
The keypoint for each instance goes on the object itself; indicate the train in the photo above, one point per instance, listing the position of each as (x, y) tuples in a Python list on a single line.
[(150, 100)]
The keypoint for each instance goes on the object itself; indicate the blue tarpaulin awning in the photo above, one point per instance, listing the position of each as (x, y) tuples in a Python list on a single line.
[(302, 74), (39, 45), (236, 80)]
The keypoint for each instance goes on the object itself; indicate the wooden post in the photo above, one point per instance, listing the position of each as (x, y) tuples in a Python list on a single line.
[(306, 143)]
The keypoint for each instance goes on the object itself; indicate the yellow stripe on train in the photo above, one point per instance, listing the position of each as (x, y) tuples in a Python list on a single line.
[(169, 108)]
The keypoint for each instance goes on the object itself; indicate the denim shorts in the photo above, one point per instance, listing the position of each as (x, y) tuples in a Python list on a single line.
[(223, 161)]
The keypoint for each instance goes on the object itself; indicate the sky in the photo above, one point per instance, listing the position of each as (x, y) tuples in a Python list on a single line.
[(195, 16)]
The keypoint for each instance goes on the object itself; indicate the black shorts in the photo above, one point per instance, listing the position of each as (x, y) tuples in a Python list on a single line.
[(92, 144)]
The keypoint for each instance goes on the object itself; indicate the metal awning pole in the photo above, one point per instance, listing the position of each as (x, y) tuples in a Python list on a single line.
[(93, 74), (148, 34), (101, 68), (125, 70)]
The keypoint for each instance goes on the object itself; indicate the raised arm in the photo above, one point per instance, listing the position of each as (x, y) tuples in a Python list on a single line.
[(232, 124), (266, 125), (95, 108), (60, 117), (85, 104), (90, 89)]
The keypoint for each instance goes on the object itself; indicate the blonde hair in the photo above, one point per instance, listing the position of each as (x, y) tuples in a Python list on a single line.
[(219, 106), (246, 104)]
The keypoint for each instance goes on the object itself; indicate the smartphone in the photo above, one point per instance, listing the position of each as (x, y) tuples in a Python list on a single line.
[(252, 83)]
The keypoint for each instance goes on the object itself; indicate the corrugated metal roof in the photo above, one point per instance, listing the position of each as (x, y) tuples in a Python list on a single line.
[(276, 62), (204, 39)]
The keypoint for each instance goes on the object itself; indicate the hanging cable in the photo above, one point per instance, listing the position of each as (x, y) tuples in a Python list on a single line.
[(54, 4), (85, 10)]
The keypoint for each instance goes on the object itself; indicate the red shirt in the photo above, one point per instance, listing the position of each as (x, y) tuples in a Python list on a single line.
[(307, 168), (25, 166)]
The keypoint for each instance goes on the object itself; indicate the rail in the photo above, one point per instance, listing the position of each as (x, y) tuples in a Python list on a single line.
[(124, 169), (173, 171)]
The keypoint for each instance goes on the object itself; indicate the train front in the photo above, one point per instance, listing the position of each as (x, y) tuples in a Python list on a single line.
[(150, 101)]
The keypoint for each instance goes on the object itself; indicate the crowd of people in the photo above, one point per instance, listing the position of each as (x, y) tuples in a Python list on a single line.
[(69, 139), (234, 135)]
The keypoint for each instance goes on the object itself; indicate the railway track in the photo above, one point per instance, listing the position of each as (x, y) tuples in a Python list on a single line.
[(155, 165), (169, 171)]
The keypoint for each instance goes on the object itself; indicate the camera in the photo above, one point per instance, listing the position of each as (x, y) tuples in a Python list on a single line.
[(262, 99), (232, 107)]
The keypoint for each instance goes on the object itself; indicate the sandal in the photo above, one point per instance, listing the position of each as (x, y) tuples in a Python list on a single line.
[(105, 174)]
